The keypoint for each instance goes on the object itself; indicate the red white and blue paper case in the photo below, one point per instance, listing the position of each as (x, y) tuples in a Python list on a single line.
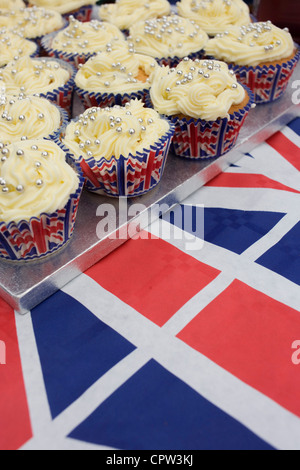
[(268, 83), (62, 96), (125, 176), (103, 100), (198, 139), (64, 120), (83, 14), (40, 236)]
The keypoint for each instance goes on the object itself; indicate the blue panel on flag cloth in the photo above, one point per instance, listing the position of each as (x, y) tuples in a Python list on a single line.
[(156, 410), (295, 125), (284, 257), (75, 348), (234, 230)]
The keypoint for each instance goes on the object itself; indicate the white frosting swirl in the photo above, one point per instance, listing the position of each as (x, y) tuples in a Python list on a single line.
[(31, 22), (30, 118), (198, 89), (86, 37), (32, 76), (115, 131), (167, 37), (63, 6), (14, 45), (214, 16), (251, 45), (34, 179), (11, 4), (116, 70), (124, 13)]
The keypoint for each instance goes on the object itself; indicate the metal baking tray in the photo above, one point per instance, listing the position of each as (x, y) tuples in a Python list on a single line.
[(25, 285)]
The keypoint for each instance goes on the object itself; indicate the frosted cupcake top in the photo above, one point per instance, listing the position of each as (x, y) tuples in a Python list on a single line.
[(27, 118), (116, 131), (251, 45), (124, 13), (11, 4), (63, 6), (31, 22), (168, 36), (33, 76), (214, 16), (201, 89), (86, 37), (34, 179), (118, 69), (13, 46)]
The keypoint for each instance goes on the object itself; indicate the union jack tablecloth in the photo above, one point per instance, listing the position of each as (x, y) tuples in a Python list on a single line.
[(160, 346)]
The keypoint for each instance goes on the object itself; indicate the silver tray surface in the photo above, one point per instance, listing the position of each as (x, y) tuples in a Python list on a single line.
[(25, 285)]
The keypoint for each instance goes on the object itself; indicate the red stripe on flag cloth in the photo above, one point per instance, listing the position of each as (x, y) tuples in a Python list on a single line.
[(253, 337), (246, 180), (286, 148), (15, 428), (152, 276)]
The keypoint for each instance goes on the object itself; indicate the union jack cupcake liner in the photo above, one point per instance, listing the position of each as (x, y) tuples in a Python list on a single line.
[(40, 237), (104, 100), (125, 176), (197, 139), (268, 83), (172, 62), (74, 59), (63, 123), (83, 14), (62, 96)]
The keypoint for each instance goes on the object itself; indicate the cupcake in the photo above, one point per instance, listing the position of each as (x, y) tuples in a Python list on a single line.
[(168, 39), (262, 56), (14, 45), (11, 4), (32, 23), (125, 13), (206, 104), (79, 41), (49, 78), (29, 118), (39, 198), (81, 9), (121, 150), (114, 76), (214, 16)]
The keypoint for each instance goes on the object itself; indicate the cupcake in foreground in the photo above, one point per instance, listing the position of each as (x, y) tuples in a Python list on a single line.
[(39, 196), (121, 151), (14, 46), (79, 41), (50, 78), (214, 16), (125, 13), (114, 76), (205, 102), (23, 118), (32, 23), (81, 9), (168, 39), (262, 56)]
